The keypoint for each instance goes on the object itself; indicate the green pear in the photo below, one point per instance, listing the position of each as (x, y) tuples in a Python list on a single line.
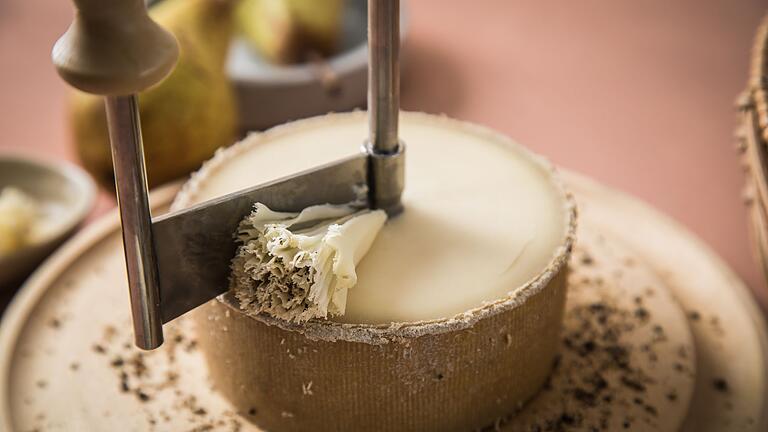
[(184, 118), (291, 31)]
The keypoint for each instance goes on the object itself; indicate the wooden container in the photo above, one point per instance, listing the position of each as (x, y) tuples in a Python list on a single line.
[(458, 373), (753, 143)]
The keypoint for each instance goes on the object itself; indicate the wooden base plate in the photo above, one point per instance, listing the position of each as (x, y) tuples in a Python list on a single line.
[(67, 360)]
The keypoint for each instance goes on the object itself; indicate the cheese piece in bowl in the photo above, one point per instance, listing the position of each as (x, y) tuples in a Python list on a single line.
[(18, 216)]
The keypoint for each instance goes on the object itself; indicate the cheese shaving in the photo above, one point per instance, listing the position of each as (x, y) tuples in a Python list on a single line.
[(300, 266)]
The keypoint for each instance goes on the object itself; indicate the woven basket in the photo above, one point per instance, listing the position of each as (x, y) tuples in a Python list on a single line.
[(753, 143)]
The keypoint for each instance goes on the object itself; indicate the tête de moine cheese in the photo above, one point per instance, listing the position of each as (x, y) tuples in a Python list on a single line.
[(482, 217)]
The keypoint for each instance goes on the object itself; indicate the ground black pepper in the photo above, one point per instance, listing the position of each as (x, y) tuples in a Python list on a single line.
[(135, 377), (720, 385), (601, 370)]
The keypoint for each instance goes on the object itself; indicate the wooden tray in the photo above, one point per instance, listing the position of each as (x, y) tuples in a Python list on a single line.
[(66, 360)]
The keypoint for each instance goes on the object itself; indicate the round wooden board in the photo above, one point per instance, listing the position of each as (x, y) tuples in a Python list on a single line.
[(66, 360), (627, 358), (728, 327)]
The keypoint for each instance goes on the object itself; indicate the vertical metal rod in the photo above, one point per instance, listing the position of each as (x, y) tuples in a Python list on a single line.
[(383, 74), (131, 183)]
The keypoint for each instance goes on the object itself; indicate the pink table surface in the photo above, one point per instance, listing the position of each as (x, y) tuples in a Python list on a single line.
[(638, 95)]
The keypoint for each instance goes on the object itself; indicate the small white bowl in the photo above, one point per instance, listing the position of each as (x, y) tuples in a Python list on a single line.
[(270, 94), (66, 195)]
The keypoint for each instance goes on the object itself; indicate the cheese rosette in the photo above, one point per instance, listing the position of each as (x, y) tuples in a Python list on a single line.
[(299, 266)]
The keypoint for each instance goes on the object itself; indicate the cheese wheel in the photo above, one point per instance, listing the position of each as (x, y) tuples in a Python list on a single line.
[(454, 318)]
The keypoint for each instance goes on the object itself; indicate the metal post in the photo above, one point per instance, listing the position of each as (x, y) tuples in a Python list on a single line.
[(384, 74), (131, 183), (387, 153)]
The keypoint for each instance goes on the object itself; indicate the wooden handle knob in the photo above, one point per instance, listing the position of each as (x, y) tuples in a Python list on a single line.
[(114, 48)]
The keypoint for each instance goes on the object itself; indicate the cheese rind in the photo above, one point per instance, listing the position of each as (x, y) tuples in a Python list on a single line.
[(299, 266)]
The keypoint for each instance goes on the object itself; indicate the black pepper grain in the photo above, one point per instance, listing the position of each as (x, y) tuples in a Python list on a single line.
[(720, 384), (142, 396)]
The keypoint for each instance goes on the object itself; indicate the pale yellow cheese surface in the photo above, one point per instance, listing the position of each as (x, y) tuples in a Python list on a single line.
[(482, 217), (18, 214)]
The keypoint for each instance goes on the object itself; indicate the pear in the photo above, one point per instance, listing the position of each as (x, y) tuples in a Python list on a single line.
[(184, 118), (291, 31)]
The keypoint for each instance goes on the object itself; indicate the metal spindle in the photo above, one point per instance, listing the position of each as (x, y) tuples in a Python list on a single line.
[(386, 151), (135, 216)]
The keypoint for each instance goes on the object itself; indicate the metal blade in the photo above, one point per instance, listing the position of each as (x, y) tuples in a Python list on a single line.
[(195, 246)]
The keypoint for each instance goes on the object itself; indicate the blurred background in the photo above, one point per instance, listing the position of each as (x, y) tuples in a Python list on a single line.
[(638, 95)]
